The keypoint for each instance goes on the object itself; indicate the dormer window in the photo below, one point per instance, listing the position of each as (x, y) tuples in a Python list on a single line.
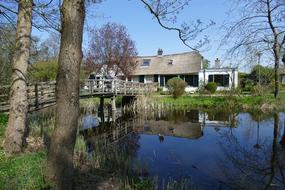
[(170, 62), (146, 62)]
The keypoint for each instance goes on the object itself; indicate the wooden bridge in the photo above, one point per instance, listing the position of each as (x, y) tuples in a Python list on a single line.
[(43, 94)]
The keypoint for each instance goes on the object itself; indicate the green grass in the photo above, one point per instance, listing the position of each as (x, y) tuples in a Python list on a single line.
[(226, 102), (22, 171), (3, 122)]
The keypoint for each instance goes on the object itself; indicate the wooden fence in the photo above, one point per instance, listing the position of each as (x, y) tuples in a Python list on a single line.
[(42, 94)]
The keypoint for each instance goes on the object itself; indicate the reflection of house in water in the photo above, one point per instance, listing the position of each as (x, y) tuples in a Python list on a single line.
[(185, 124), (166, 128), (217, 119), (189, 125)]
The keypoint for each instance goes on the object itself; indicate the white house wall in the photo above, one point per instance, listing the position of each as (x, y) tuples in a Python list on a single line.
[(233, 77)]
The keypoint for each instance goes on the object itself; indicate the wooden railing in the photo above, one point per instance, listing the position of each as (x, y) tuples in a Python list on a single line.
[(117, 87), (42, 94)]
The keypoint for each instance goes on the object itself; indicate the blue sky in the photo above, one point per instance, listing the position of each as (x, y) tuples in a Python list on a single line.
[(147, 33)]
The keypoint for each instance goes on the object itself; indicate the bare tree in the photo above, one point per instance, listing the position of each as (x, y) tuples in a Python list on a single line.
[(258, 27), (166, 11), (45, 14), (111, 50), (18, 93)]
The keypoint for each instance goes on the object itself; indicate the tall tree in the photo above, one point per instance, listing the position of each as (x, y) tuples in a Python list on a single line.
[(111, 50), (42, 11), (18, 93), (258, 26), (60, 157)]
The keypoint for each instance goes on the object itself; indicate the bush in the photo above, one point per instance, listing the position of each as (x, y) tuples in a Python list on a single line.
[(176, 87), (247, 85), (43, 71), (211, 87)]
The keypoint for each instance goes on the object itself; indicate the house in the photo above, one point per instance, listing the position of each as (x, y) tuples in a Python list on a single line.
[(188, 66)]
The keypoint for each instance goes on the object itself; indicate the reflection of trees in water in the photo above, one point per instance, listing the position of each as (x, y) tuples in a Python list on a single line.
[(118, 156), (260, 116), (252, 168)]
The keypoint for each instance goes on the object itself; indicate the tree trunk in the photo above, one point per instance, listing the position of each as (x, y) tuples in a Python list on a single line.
[(60, 157), (276, 69), (15, 132), (276, 78)]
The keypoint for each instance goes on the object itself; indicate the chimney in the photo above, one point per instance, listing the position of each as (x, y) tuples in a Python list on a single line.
[(159, 52), (217, 63)]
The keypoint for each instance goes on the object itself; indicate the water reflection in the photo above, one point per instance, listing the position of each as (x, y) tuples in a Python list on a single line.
[(218, 150), (260, 166)]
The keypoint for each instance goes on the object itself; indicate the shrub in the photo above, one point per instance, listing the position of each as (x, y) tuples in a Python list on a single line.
[(247, 85), (176, 87), (211, 87), (43, 71)]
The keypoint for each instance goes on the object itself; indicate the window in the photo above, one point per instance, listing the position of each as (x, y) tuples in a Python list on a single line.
[(182, 77), (168, 77), (192, 80), (135, 78), (170, 62), (149, 78), (141, 78), (146, 62), (221, 80), (155, 78), (161, 80)]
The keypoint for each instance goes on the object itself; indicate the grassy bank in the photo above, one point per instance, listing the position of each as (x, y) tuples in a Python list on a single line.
[(238, 103), (23, 171), (3, 122)]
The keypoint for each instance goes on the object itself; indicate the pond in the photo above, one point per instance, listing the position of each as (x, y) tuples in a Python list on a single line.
[(195, 149)]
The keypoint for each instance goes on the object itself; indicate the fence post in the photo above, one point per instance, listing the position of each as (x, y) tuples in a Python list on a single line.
[(103, 85), (125, 90), (36, 96), (91, 86), (113, 86)]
